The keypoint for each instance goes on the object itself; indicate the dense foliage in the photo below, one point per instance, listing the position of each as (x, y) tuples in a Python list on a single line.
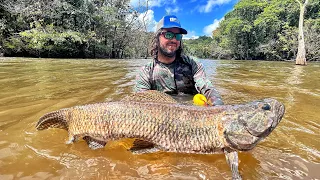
[(71, 28), (262, 29), (254, 29)]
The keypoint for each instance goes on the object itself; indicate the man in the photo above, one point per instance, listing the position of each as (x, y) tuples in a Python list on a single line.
[(170, 71)]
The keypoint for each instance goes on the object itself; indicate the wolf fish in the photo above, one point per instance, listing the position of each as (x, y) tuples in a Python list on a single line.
[(159, 123)]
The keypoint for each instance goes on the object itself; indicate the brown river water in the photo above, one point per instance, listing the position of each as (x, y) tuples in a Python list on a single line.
[(33, 87)]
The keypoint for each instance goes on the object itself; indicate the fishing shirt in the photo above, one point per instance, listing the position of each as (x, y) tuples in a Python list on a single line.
[(183, 75)]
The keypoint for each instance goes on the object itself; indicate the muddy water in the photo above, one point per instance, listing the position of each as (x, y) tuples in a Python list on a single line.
[(33, 87)]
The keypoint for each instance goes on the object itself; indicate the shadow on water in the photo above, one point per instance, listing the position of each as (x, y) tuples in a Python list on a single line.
[(33, 87)]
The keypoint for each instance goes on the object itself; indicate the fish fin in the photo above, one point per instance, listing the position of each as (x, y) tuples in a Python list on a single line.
[(55, 119), (232, 159), (151, 96), (138, 143), (145, 151), (71, 140), (140, 147), (94, 143)]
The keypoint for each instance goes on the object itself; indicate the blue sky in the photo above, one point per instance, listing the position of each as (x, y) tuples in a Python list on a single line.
[(198, 17)]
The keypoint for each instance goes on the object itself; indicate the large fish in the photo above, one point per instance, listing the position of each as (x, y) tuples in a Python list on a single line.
[(158, 122)]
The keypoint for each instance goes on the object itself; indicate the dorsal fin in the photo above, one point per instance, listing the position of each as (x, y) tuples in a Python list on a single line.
[(151, 96)]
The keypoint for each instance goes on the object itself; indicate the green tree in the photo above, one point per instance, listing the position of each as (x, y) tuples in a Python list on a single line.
[(199, 47), (72, 28), (237, 30), (266, 29)]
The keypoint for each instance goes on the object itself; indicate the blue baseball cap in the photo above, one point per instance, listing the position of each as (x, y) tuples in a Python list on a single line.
[(170, 21)]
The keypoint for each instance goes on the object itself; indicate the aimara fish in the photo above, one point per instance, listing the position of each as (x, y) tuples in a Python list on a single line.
[(158, 122)]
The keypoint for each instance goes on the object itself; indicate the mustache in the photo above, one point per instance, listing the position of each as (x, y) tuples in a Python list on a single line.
[(169, 43)]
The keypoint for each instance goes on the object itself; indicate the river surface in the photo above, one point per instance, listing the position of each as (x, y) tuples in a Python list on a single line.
[(33, 87)]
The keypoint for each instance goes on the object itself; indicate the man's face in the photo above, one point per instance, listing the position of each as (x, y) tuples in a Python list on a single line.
[(168, 47)]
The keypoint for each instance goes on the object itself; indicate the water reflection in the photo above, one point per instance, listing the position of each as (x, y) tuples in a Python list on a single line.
[(32, 87)]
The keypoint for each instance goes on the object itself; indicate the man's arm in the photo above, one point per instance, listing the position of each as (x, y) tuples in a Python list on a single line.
[(203, 84), (142, 79)]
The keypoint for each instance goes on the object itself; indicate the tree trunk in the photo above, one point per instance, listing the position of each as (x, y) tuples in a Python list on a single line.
[(146, 57), (301, 56), (113, 50)]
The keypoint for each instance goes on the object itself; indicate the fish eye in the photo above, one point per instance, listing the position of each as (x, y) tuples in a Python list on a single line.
[(266, 107)]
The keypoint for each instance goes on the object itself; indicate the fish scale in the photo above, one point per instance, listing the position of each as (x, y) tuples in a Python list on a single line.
[(136, 119)]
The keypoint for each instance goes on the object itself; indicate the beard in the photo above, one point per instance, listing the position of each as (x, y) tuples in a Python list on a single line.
[(166, 52)]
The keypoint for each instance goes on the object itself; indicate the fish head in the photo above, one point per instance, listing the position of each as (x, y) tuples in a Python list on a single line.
[(252, 122)]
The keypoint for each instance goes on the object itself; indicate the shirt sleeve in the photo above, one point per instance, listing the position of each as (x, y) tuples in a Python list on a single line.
[(203, 84), (142, 82)]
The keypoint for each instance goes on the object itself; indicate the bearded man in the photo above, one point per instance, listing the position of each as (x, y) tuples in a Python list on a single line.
[(171, 71)]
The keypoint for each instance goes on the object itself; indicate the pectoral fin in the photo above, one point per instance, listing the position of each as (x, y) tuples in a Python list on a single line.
[(72, 139), (94, 143), (232, 159)]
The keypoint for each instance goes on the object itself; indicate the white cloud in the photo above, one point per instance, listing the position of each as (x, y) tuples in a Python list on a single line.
[(191, 35), (148, 18), (151, 3), (172, 10), (208, 29), (211, 3)]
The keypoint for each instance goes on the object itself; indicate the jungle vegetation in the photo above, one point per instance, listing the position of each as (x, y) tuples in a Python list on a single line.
[(254, 29), (262, 29)]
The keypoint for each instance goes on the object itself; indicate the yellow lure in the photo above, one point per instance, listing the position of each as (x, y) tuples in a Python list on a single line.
[(201, 100)]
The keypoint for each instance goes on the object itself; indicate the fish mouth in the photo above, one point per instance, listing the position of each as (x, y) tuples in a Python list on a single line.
[(260, 134), (273, 120), (247, 134), (241, 142)]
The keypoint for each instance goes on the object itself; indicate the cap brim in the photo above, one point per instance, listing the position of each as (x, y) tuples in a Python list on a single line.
[(182, 31)]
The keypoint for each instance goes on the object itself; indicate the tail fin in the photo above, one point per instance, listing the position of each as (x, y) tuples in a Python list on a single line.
[(55, 119)]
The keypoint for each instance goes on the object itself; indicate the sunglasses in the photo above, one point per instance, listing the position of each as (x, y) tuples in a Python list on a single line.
[(171, 35)]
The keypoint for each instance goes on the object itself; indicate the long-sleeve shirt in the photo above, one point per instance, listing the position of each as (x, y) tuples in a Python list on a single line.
[(183, 75)]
